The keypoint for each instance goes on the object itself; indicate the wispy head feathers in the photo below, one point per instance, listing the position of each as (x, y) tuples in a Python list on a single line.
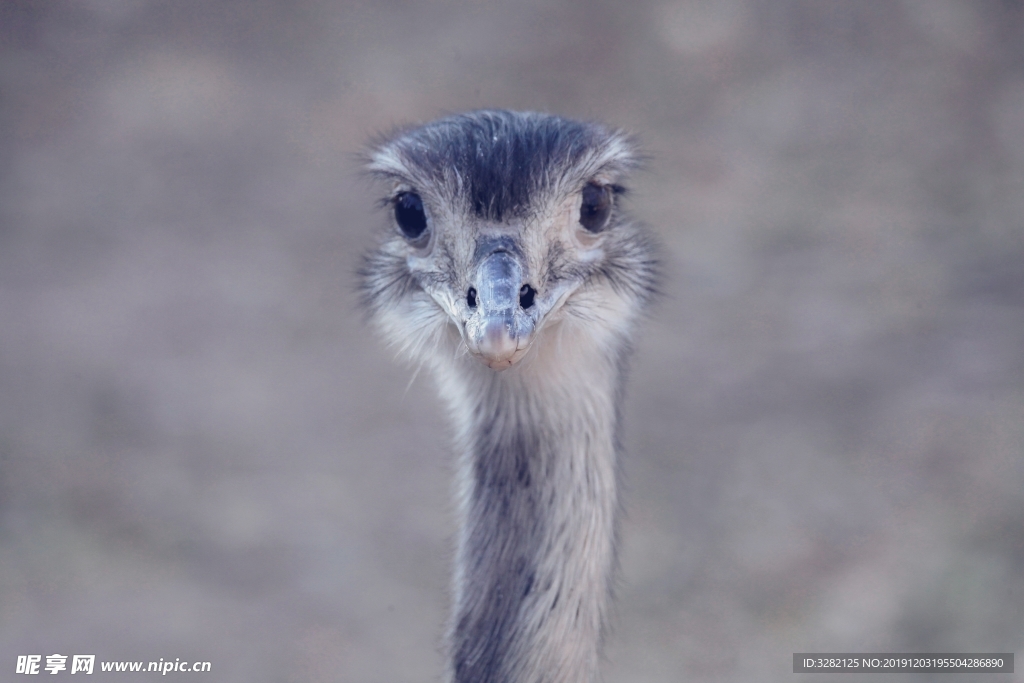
[(497, 163)]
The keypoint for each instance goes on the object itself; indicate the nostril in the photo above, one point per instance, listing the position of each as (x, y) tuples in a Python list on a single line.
[(471, 297), (526, 294)]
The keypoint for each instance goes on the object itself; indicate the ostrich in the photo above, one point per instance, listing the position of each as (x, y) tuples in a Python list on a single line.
[(511, 272)]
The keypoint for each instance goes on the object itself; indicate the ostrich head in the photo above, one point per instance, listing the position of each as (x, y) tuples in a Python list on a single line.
[(507, 233), (511, 270)]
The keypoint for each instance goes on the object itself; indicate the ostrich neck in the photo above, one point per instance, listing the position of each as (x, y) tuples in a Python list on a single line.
[(537, 506)]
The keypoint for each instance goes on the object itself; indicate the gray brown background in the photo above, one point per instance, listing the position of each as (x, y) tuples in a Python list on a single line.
[(205, 454)]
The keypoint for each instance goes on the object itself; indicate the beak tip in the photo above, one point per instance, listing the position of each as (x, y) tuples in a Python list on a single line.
[(495, 344)]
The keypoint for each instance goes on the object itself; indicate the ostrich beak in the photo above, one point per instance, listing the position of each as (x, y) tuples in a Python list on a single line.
[(498, 330)]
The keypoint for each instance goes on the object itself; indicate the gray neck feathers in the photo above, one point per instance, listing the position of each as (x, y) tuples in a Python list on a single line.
[(537, 505)]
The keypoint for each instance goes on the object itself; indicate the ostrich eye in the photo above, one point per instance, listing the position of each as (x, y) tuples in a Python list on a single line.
[(596, 207), (409, 215)]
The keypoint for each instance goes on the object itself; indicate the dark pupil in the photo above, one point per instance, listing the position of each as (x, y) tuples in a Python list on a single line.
[(596, 207), (409, 214)]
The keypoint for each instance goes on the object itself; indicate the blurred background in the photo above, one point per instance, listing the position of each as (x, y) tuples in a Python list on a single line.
[(205, 453)]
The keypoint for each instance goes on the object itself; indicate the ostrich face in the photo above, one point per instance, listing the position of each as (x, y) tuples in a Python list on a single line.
[(503, 226)]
